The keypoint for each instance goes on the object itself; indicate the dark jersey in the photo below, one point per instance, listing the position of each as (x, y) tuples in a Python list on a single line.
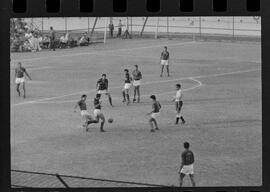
[(187, 157), (97, 103), (19, 72), (127, 78), (137, 75), (156, 107), (52, 34), (165, 55), (102, 84), (82, 105)]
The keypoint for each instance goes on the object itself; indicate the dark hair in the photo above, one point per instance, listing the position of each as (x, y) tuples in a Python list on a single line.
[(136, 66), (186, 145), (51, 27), (98, 95), (178, 85), (165, 47), (126, 70), (83, 96), (153, 97), (104, 74)]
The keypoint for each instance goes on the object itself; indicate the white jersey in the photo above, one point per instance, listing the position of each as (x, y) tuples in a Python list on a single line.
[(178, 96)]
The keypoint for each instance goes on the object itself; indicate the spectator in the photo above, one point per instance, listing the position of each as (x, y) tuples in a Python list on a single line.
[(35, 43), (45, 42), (84, 40), (52, 39), (119, 29), (64, 40), (111, 27)]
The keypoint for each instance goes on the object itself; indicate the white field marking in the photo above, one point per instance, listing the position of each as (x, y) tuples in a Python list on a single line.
[(103, 51), (199, 84), (147, 83)]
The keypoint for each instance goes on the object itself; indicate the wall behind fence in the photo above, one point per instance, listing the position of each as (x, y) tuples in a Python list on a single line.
[(238, 26)]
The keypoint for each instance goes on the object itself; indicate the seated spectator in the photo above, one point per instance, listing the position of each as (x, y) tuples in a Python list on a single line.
[(64, 40), (35, 43), (45, 42), (84, 40)]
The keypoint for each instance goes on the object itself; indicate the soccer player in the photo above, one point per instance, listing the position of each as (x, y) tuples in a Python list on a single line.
[(86, 117), (164, 61), (127, 86), (179, 104), (154, 113), (97, 112), (187, 165), (102, 87), (137, 76), (52, 39), (19, 78)]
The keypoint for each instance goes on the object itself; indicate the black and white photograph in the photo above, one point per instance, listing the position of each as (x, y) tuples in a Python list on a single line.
[(135, 101)]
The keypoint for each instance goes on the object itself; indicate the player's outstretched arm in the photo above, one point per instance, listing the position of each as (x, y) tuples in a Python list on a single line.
[(28, 75)]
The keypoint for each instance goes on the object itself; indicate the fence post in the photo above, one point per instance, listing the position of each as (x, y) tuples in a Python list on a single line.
[(167, 27), (200, 25), (233, 27), (156, 34), (42, 26), (131, 25), (88, 25), (105, 29), (65, 25)]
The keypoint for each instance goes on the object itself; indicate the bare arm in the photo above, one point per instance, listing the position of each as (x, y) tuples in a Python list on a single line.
[(27, 75)]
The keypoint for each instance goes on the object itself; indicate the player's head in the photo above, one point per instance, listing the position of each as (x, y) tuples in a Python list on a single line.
[(19, 64), (103, 76), (83, 97), (178, 86), (153, 97), (165, 48), (126, 70), (98, 96), (51, 28), (136, 66), (186, 145)]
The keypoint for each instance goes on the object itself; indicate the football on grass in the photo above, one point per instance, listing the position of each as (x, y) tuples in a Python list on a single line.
[(110, 120)]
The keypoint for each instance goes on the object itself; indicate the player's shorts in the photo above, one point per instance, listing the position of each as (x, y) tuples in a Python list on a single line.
[(127, 85), (155, 115), (178, 105), (187, 170), (164, 62), (19, 80), (85, 115), (103, 91), (136, 83), (97, 112)]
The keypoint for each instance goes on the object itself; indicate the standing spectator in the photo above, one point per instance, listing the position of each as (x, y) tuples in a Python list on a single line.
[(119, 29), (187, 165), (164, 61), (52, 39), (111, 27)]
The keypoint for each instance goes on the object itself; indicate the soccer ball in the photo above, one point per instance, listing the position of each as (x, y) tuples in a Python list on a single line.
[(110, 120)]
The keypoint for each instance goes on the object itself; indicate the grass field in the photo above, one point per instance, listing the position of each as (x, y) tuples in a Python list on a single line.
[(222, 107)]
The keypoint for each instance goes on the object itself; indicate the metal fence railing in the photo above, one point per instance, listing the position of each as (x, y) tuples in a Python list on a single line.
[(30, 179)]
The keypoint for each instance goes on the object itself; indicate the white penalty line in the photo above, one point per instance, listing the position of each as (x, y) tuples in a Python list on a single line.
[(102, 51), (194, 78)]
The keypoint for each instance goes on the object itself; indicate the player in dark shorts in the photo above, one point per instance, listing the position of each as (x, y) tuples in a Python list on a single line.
[(102, 87), (86, 117), (164, 61), (187, 165), (19, 78), (97, 112), (137, 76), (179, 104), (127, 86), (154, 113)]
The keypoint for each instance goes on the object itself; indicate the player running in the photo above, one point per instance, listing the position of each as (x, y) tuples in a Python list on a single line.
[(179, 104), (102, 87), (97, 112), (127, 86), (137, 76), (164, 61), (154, 114), (86, 117), (19, 78), (186, 167)]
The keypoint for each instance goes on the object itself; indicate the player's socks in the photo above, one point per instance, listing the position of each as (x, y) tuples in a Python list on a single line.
[(110, 100), (183, 120), (152, 130), (128, 99), (134, 100), (177, 120), (124, 96), (101, 126)]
